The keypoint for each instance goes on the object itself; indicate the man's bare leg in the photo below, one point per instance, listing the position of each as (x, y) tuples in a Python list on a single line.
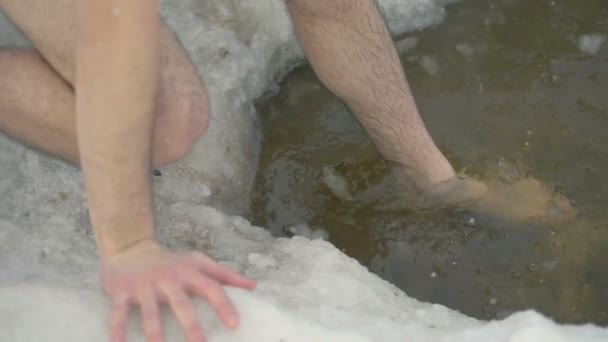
[(37, 99), (350, 49)]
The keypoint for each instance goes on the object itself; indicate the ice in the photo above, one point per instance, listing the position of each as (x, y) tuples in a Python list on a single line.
[(465, 49), (304, 230), (406, 44), (591, 43), (336, 183), (308, 290), (260, 261), (429, 64), (205, 191)]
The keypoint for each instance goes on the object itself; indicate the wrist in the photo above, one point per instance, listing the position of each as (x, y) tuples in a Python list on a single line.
[(110, 247), (139, 246), (119, 235)]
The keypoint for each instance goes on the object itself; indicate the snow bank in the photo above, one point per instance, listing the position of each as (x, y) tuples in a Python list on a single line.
[(308, 290)]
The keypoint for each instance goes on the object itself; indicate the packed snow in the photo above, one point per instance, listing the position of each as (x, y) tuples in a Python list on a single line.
[(308, 290)]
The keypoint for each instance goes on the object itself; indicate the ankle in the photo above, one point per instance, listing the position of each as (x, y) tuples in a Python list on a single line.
[(428, 173), (456, 191)]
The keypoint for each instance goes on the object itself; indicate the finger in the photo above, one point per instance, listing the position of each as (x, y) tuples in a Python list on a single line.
[(150, 315), (222, 274), (118, 318), (184, 311), (215, 295)]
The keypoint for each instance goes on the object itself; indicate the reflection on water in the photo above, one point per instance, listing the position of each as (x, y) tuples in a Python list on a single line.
[(510, 93)]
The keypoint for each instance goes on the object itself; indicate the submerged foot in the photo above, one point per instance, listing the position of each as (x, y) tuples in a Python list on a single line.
[(524, 199)]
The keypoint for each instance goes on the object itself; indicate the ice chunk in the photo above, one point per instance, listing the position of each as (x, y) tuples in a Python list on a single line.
[(591, 43), (465, 49), (406, 44), (303, 229), (429, 64), (319, 234), (336, 183), (205, 191)]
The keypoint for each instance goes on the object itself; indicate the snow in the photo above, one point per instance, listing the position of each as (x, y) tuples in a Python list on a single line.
[(308, 290), (304, 230)]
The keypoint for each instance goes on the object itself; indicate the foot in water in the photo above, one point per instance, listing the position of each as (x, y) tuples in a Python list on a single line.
[(523, 199)]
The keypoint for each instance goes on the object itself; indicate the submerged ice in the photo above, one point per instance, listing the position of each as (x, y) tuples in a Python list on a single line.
[(591, 43), (308, 290)]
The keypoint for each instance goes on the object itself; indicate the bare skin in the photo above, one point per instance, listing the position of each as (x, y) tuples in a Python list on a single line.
[(48, 75), (116, 127), (350, 49), (138, 103)]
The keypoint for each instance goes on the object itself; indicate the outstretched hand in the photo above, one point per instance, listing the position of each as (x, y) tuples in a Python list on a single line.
[(148, 275)]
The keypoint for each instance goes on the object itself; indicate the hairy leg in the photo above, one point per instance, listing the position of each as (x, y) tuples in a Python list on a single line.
[(350, 49), (36, 105), (37, 98)]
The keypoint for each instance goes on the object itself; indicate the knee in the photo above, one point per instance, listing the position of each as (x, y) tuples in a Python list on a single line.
[(325, 9), (180, 122)]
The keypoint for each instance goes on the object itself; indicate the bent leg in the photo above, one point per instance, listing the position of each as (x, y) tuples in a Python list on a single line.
[(36, 105), (39, 108)]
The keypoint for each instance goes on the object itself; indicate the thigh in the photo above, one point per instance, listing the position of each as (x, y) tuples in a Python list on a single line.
[(51, 26)]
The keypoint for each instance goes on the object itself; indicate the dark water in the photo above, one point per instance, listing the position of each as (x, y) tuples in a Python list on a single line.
[(513, 96)]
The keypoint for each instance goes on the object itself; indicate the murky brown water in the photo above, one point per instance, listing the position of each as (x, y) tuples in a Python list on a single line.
[(513, 95)]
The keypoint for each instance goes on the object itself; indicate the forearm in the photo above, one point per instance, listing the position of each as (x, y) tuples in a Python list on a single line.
[(116, 81), (351, 51)]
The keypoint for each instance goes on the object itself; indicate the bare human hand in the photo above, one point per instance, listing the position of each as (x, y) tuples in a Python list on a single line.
[(148, 275)]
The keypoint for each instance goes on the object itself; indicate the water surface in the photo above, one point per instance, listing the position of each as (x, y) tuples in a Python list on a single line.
[(513, 95)]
